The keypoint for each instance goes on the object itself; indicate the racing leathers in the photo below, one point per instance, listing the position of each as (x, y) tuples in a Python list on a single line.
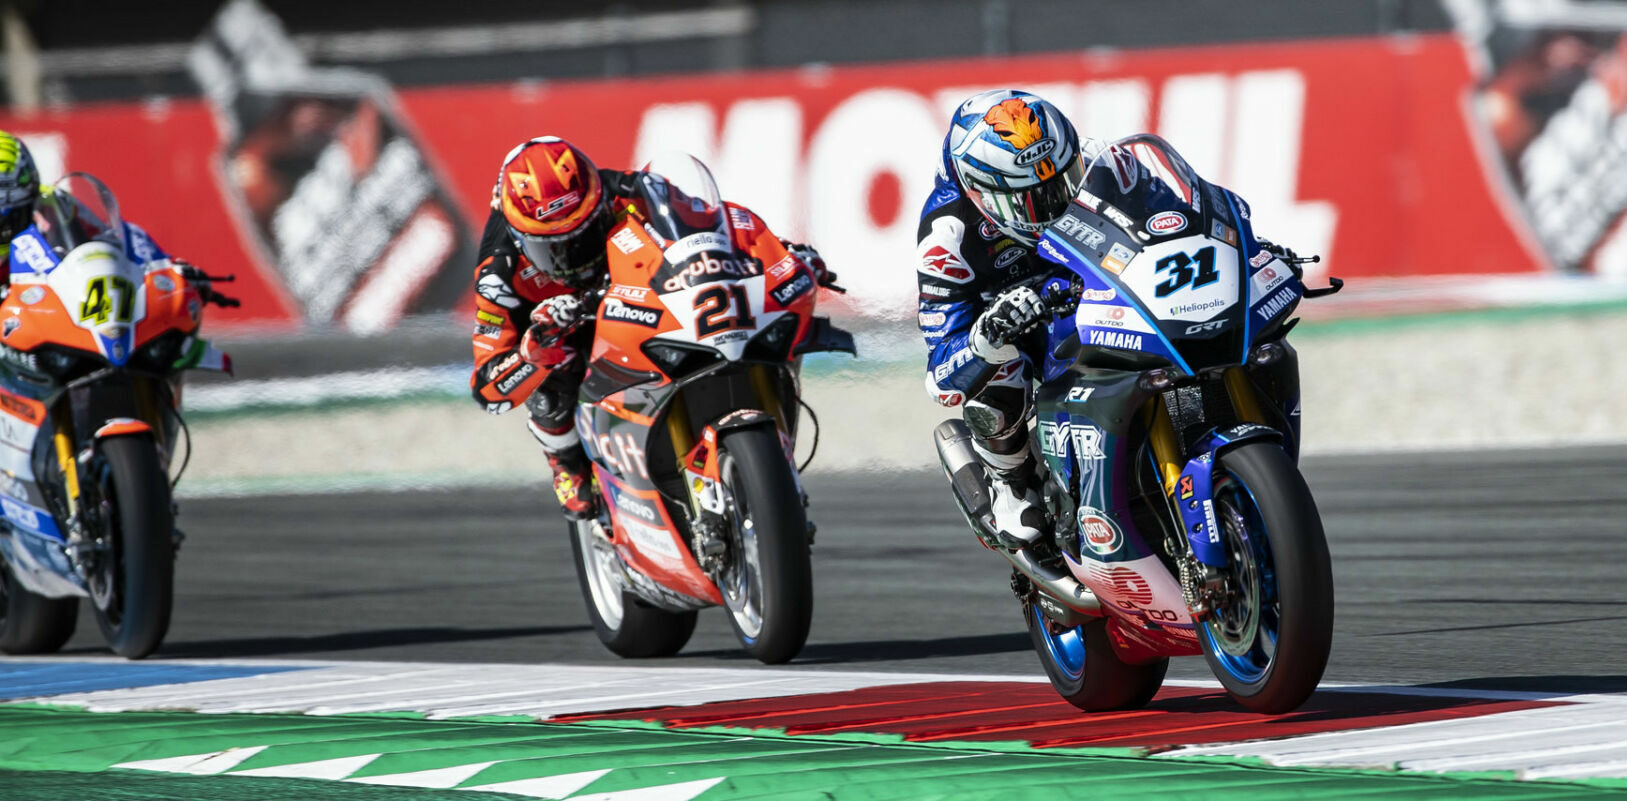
[(544, 373)]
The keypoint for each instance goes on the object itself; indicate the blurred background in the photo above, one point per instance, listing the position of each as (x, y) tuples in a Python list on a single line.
[(1462, 164)]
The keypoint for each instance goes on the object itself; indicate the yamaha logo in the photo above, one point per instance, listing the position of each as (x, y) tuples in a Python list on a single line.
[(1035, 152)]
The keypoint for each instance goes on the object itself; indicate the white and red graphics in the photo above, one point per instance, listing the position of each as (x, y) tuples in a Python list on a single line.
[(1099, 533), (1138, 588)]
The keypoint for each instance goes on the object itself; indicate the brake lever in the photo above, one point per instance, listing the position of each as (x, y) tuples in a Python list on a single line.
[(834, 287), (1334, 285)]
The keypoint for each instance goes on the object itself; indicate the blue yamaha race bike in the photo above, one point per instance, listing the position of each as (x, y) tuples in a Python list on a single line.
[(1168, 430)]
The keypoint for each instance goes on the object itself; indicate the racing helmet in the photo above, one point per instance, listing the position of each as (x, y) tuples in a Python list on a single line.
[(554, 204), (19, 187), (1017, 158)]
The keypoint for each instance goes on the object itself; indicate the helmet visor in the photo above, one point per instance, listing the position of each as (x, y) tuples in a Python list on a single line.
[(572, 257), (1031, 208)]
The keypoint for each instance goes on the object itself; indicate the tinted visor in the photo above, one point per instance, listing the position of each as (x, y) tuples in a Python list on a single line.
[(572, 258), (1035, 207)]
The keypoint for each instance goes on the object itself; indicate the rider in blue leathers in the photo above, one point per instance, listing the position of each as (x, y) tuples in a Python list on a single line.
[(1011, 165)]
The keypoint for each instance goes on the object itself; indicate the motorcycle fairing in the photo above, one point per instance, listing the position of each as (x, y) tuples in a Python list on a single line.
[(1194, 490), (647, 541)]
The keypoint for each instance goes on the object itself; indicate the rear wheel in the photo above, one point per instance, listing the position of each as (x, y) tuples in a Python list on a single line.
[(1268, 643), (30, 623), (767, 583), (134, 590), (1084, 669), (625, 623)]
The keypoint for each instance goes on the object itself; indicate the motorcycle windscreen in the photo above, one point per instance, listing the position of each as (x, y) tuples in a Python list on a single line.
[(681, 202), (79, 209), (1147, 183)]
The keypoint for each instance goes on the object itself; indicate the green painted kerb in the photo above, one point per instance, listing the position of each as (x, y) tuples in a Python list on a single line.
[(48, 754)]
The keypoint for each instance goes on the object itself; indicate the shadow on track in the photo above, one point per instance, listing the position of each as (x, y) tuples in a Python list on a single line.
[(1556, 686), (349, 641), (835, 653)]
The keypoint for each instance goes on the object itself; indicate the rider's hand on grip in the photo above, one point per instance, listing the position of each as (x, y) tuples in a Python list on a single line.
[(544, 347), (1012, 313), (557, 314)]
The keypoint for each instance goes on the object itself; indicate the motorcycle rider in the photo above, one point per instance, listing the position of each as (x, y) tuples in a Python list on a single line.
[(21, 197), (1011, 165), (543, 248), (19, 194)]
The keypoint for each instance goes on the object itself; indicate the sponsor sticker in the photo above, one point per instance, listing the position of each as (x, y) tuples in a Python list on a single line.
[(626, 240), (1080, 394), (792, 289), (987, 230), (488, 318), (1098, 295), (1166, 222), (1223, 232), (1008, 257), (1259, 259), (1087, 442), (1118, 217), (637, 294), (35, 294), (782, 268), (1098, 532), (1115, 339), (620, 311), (1274, 305), (686, 248), (931, 319), (1266, 279), (1082, 231), (741, 220), (1034, 152), (1209, 520), (162, 283), (940, 262), (1056, 255), (515, 378)]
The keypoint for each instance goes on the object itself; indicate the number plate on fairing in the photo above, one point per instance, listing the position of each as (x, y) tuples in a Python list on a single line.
[(1194, 278)]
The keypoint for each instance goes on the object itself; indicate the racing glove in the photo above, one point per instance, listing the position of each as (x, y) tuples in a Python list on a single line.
[(1009, 315), (807, 255), (542, 344)]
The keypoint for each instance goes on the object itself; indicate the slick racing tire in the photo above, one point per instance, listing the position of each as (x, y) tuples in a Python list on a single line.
[(628, 625), (140, 569), (1085, 670), (1269, 645), (30, 623), (767, 584)]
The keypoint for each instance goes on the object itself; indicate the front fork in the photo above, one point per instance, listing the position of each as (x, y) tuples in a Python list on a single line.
[(698, 460), (1188, 484)]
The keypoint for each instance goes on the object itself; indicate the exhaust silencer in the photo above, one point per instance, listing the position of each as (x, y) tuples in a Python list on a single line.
[(970, 484)]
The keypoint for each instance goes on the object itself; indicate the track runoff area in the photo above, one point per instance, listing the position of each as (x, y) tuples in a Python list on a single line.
[(1467, 663)]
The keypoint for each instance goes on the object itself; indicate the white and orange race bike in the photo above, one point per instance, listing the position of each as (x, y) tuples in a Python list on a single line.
[(94, 334), (689, 412)]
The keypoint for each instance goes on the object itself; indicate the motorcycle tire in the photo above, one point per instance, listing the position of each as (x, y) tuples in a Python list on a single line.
[(1294, 577), (137, 490), (30, 623), (769, 599), (627, 625), (1086, 671)]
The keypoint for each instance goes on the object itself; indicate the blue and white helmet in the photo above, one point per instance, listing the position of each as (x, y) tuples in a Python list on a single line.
[(1017, 158)]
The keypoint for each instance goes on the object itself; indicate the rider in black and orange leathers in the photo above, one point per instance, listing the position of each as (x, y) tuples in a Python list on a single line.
[(543, 248)]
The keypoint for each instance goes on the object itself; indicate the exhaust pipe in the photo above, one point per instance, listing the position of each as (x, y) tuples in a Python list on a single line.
[(970, 484)]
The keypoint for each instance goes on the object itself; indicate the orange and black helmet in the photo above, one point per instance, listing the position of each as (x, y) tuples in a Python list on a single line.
[(554, 204)]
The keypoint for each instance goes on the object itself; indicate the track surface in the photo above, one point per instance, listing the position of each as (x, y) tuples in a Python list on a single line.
[(1493, 569)]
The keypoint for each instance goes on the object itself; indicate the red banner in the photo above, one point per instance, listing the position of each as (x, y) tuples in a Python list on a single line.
[(1361, 150)]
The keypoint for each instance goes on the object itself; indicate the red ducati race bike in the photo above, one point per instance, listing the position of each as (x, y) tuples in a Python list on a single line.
[(94, 336), (689, 411)]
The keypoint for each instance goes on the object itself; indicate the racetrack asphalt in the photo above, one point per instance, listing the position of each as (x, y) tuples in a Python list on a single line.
[(1491, 569)]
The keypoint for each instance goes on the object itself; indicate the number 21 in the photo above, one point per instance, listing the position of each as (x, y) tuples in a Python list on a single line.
[(718, 309)]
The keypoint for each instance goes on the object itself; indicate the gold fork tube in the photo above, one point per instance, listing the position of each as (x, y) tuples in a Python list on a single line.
[(1164, 446), (1242, 395)]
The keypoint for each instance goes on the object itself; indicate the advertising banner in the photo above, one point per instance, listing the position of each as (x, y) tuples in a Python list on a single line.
[(344, 205)]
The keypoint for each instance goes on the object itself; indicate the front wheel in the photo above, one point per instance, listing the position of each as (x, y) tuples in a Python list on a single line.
[(767, 584), (625, 623), (1268, 642), (136, 585), (30, 623), (1085, 670)]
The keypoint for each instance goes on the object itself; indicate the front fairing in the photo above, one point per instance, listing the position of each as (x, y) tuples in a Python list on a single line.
[(1171, 271)]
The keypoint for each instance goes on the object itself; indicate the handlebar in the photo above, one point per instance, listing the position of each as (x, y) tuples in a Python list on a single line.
[(202, 280)]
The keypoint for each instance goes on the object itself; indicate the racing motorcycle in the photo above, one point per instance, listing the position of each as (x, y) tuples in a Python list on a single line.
[(689, 412), (94, 336), (1167, 430)]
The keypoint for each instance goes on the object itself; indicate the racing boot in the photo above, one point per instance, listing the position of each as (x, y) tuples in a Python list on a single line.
[(1019, 512), (574, 484)]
